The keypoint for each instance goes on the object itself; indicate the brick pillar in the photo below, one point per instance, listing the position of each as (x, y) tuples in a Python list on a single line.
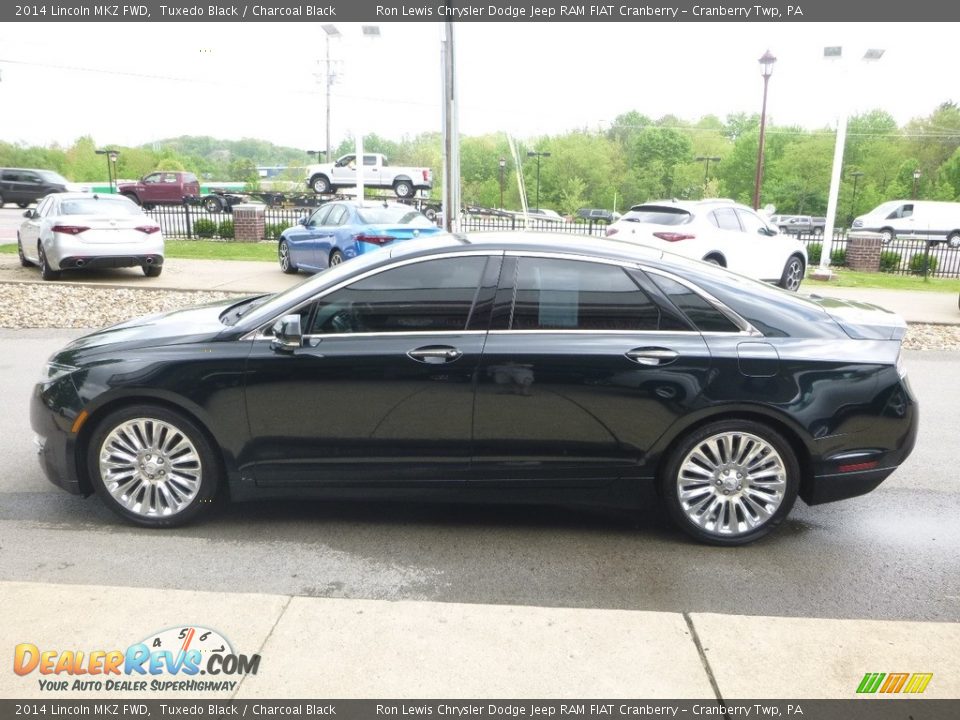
[(249, 224), (863, 251)]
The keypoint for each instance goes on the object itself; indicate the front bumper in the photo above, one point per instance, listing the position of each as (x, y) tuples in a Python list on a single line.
[(56, 444)]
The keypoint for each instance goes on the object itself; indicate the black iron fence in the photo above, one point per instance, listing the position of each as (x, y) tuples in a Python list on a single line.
[(900, 256)]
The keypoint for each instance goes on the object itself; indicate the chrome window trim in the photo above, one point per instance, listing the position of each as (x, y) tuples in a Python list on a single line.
[(679, 333), (258, 332), (745, 326)]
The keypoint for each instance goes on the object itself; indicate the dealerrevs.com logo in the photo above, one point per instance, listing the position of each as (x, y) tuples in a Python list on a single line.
[(183, 659)]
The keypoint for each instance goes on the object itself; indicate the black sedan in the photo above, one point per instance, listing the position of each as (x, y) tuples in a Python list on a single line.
[(498, 368)]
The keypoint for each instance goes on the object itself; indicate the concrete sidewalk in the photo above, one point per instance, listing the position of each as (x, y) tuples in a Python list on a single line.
[(259, 277), (333, 648)]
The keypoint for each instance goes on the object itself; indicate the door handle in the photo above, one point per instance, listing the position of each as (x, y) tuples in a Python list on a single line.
[(435, 354), (652, 356)]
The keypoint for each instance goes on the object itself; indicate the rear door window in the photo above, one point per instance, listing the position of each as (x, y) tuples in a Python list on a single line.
[(725, 219)]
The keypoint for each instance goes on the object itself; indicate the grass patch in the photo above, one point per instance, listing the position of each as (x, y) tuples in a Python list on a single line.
[(204, 250), (886, 281)]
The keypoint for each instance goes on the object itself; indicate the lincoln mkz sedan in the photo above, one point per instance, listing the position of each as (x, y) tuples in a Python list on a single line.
[(496, 368)]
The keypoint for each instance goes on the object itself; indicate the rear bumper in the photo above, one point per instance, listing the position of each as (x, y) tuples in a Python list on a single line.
[(78, 262)]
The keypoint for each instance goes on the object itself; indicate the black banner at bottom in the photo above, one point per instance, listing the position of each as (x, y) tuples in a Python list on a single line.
[(875, 708)]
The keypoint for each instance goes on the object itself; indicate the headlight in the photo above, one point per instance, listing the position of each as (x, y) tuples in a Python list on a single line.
[(901, 368), (53, 371)]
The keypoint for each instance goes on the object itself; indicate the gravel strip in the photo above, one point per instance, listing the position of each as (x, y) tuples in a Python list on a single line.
[(36, 305)]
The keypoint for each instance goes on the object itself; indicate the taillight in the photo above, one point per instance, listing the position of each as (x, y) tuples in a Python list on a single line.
[(426, 175), (69, 229), (376, 239), (673, 236), (148, 229), (611, 231)]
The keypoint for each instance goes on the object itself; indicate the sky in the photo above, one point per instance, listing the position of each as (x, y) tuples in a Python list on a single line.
[(130, 84)]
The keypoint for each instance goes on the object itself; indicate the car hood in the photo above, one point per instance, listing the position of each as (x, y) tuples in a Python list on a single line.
[(177, 327), (862, 320)]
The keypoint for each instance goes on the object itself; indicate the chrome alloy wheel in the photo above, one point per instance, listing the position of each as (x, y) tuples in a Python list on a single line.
[(150, 467), (731, 483)]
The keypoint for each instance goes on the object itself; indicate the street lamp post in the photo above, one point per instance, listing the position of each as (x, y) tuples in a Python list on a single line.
[(856, 175), (112, 156), (766, 60), (332, 32), (916, 181), (503, 165), (823, 271), (706, 169), (538, 155), (318, 153)]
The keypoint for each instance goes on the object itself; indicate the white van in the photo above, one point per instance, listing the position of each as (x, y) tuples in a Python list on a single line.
[(919, 219)]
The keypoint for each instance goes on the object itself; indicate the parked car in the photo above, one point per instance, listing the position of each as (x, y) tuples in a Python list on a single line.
[(598, 215), (918, 219), (493, 367), (545, 215), (342, 230), (76, 231), (801, 225), (24, 186), (719, 232)]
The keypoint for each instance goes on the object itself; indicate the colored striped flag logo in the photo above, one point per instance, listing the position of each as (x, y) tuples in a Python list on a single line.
[(912, 683)]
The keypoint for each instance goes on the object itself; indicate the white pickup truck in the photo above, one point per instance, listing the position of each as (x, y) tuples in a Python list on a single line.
[(405, 181)]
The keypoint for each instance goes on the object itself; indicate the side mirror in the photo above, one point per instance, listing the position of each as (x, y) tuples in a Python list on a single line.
[(287, 335), (28, 214), (303, 221)]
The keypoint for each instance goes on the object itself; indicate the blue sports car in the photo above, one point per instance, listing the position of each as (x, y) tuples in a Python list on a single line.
[(341, 230)]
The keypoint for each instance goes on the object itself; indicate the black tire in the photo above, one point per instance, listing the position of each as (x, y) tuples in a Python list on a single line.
[(321, 185), (2, 201), (404, 189), (23, 206), (131, 197), (283, 257), (336, 257), (23, 258), (792, 274), (710, 478), (46, 272), (163, 439), (887, 234), (715, 260), (953, 239), (152, 270), (213, 204), (430, 213)]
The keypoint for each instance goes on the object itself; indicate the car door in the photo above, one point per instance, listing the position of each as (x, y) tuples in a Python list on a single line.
[(582, 372), (300, 239), (324, 239), (766, 251), (31, 228), (344, 171), (381, 391)]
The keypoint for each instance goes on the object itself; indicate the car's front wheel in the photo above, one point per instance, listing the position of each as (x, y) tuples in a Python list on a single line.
[(152, 466), (730, 482), (792, 274), (283, 256), (321, 185), (23, 258)]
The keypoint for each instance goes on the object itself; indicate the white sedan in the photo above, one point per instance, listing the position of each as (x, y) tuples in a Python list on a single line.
[(716, 231), (74, 231)]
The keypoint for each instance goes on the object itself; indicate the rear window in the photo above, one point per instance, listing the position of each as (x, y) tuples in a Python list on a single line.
[(99, 206), (658, 216), (393, 216)]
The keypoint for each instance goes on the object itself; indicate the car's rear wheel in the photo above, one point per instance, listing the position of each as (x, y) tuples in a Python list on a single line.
[(152, 270), (23, 205), (730, 482), (715, 260), (283, 255), (336, 257), (23, 258), (132, 198), (46, 272), (213, 204), (953, 239), (152, 466), (792, 274)]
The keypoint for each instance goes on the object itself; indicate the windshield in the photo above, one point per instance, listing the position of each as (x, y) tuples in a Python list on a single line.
[(95, 205), (392, 215), (51, 176)]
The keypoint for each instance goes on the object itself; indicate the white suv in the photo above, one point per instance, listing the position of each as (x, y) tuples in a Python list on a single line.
[(716, 231)]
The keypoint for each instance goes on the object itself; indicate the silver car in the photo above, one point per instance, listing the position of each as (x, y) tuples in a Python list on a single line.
[(74, 231)]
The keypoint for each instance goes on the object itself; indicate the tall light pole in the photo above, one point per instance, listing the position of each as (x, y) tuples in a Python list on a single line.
[(823, 271), (538, 155), (112, 156), (856, 175), (329, 76), (503, 165), (766, 60), (916, 180), (706, 169)]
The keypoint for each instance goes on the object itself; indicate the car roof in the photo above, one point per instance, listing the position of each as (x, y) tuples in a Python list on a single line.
[(686, 204), (87, 196)]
